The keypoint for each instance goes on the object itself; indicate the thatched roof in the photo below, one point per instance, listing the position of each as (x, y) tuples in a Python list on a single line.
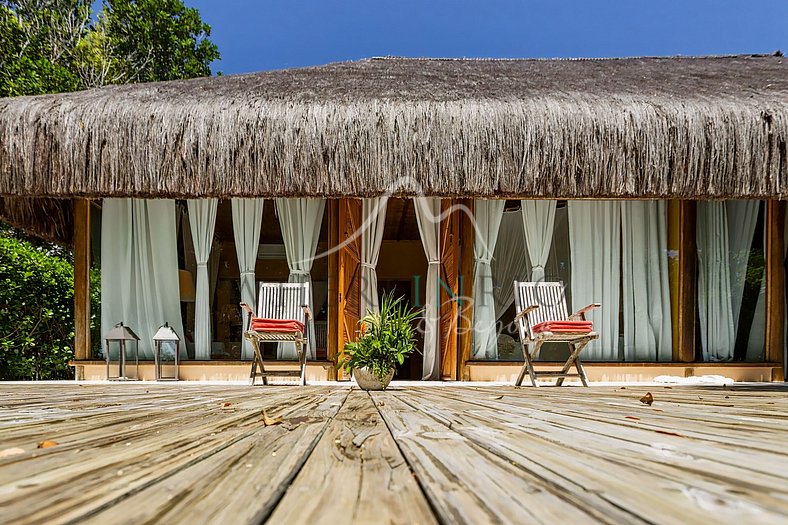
[(707, 127)]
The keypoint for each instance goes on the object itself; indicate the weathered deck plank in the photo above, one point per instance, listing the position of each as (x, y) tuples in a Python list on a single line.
[(630, 467), (251, 474), (468, 484), (87, 472), (356, 474), (141, 452)]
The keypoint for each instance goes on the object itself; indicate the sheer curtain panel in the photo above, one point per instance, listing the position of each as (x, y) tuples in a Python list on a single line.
[(487, 219), (139, 269), (247, 221), (300, 220), (428, 211), (202, 219), (373, 219)]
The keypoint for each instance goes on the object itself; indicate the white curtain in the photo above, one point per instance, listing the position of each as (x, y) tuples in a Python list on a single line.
[(373, 217), (247, 221), (139, 270), (509, 262), (595, 245), (538, 221), (300, 220), (724, 236), (428, 212), (717, 331), (645, 287), (756, 345), (202, 219), (487, 218), (742, 220)]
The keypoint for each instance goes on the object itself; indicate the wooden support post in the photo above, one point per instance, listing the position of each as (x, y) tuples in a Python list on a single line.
[(465, 321), (449, 289), (348, 274), (683, 279), (333, 290), (82, 279), (775, 284)]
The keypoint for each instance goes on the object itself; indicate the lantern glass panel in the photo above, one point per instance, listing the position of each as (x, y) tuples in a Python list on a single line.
[(168, 351)]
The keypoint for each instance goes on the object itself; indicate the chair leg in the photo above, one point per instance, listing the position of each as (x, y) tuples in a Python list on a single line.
[(302, 363), (579, 365), (258, 360), (581, 371), (573, 358), (524, 368), (569, 362), (253, 372), (530, 358)]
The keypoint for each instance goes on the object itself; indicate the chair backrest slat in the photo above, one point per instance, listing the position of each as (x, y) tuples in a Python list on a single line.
[(548, 296), (282, 300)]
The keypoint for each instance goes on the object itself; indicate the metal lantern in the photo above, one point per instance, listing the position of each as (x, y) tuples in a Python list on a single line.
[(165, 348), (121, 335)]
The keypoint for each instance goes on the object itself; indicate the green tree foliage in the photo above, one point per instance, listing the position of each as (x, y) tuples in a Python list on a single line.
[(52, 46), (36, 312), (158, 39), (37, 48)]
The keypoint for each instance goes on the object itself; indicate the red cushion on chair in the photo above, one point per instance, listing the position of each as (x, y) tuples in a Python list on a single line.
[(260, 324), (563, 327)]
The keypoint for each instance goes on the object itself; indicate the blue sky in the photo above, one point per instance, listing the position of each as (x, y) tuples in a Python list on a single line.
[(259, 35)]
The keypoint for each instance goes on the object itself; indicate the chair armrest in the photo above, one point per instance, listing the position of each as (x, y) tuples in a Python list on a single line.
[(307, 312), (582, 312), (247, 309), (525, 312), (250, 313)]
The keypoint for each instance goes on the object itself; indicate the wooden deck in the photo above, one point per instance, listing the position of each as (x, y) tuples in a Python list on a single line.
[(192, 453)]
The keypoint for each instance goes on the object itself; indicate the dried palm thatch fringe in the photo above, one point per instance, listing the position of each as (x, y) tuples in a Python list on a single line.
[(707, 127), (50, 219)]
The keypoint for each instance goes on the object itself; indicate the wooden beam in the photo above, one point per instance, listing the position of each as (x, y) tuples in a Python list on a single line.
[(775, 282), (82, 279), (465, 321), (683, 279), (333, 294)]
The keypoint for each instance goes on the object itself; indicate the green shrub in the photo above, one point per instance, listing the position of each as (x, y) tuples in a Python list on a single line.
[(36, 312), (386, 338)]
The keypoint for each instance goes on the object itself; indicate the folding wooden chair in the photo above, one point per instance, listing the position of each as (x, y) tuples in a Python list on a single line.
[(282, 317), (541, 318)]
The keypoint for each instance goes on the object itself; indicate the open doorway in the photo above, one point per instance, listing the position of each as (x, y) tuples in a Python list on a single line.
[(402, 269)]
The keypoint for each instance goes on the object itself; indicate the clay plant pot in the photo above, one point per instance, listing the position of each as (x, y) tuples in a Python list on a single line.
[(368, 381)]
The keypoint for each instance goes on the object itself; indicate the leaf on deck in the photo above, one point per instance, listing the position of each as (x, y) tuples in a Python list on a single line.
[(648, 399), (47, 444), (270, 421)]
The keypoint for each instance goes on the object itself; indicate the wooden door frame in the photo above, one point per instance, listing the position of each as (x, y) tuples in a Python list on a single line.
[(465, 321), (448, 310), (82, 344), (332, 343), (775, 285), (341, 295)]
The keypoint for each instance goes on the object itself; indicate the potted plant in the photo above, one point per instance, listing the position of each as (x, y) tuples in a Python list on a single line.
[(385, 339)]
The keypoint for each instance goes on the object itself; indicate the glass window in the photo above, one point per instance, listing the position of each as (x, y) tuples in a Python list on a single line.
[(731, 280), (609, 252)]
